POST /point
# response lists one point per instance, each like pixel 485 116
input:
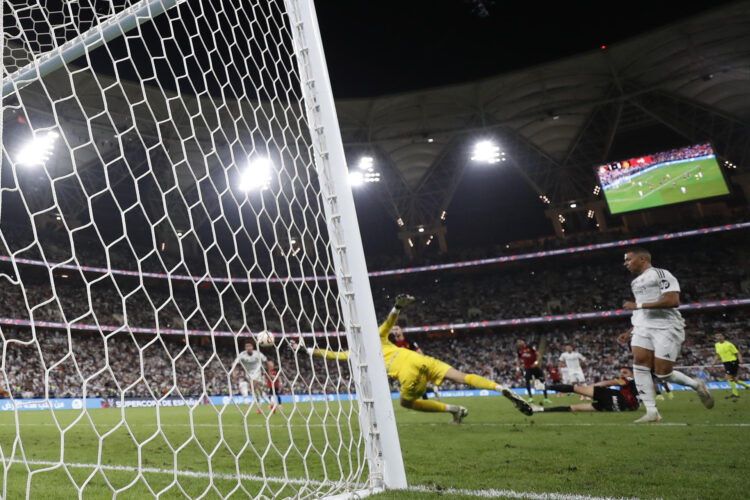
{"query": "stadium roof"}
pixel 557 120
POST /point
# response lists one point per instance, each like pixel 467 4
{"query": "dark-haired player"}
pixel 603 397
pixel 531 361
pixel 658 332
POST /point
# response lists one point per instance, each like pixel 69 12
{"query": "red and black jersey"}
pixel 412 346
pixel 272 378
pixel 629 392
pixel 554 373
pixel 527 356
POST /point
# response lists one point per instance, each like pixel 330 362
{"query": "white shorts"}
pixel 564 374
pixel 576 376
pixel 244 389
pixel 665 343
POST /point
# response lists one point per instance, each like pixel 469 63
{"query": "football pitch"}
pixel 497 453
pixel 668 184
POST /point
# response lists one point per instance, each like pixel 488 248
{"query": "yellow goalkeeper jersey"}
pixel 394 356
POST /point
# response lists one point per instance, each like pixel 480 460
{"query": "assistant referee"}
pixel 732 359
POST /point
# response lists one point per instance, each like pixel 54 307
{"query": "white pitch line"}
pixel 489 493
pixel 419 424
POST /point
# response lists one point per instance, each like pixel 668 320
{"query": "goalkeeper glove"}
pixel 403 300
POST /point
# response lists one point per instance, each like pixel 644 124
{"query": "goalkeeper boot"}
pixel 518 402
pixel 659 397
pixel 670 395
pixel 460 414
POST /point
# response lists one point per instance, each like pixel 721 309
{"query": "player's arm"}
pixel 607 383
pixel 623 338
pixel 669 300
pixel 321 353
pixel 402 301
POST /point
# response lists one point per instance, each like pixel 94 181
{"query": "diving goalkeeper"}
pixel 414 370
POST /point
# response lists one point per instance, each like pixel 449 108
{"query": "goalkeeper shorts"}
pixel 416 371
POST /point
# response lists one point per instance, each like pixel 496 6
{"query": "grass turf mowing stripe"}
pixel 490 493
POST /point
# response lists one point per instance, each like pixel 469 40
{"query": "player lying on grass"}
pixel 604 398
pixel 414 370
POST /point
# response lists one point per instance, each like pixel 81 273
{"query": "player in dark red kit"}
pixel 603 397
pixel 532 367
pixel 554 375
pixel 275 385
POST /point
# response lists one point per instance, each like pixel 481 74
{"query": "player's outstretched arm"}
pixel 402 301
pixel 321 353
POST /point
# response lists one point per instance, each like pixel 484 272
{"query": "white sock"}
pixel 451 408
pixel 645 385
pixel 679 378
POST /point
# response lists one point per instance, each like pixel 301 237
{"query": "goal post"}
pixel 173 184
pixel 383 449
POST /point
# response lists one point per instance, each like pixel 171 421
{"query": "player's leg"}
pixel 666 350
pixel 584 390
pixel 540 376
pixel 527 375
pixel 643 360
pixel 413 378
pixel 482 383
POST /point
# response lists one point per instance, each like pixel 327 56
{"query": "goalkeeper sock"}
pixel 679 378
pixel 482 383
pixel 431 406
pixel 743 384
pixel 556 408
pixel 734 388
pixel 560 387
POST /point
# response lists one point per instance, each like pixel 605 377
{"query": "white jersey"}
pixel 650 286
pixel 252 363
pixel 572 360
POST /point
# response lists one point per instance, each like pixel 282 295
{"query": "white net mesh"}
pixel 157 194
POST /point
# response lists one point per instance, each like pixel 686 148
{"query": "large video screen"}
pixel 685 174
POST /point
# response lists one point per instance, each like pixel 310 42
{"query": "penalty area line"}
pixel 488 493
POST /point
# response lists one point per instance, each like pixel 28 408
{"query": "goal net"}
pixel 172 191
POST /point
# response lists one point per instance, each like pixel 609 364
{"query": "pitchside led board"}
pixel 684 174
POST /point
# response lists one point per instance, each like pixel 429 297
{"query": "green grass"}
pixel 695 453
pixel 626 197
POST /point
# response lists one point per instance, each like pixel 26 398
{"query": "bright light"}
pixel 421 229
pixel 573 205
pixel 366 163
pixel 597 190
pixel 257 175
pixel 38 150
pixel 486 152
pixel 400 222
pixel 356 178
pixel 443 214
pixel 590 214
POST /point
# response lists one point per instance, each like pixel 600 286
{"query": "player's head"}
pixel 249 346
pixel 568 348
pixel 626 372
pixel 398 333
pixel 269 364
pixel 719 337
pixel 520 343
pixel 637 260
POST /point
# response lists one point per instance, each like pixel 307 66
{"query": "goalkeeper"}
pixel 414 370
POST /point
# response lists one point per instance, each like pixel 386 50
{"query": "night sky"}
pixel 383 47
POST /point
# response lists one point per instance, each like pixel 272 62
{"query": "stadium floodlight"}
pixel 420 229
pixel 597 190
pixel 486 152
pixel 573 205
pixel 256 176
pixel 366 163
pixel 356 178
pixel 38 150
pixel 443 214
pixel 590 214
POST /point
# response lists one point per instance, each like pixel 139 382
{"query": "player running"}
pixel 732 359
pixel 603 397
pixel 414 370
pixel 658 332
pixel 252 361
pixel 532 362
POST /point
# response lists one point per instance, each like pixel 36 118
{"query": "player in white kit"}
pixel 571 361
pixel 252 362
pixel 658 332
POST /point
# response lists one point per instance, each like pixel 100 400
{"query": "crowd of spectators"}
pixel 57 364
